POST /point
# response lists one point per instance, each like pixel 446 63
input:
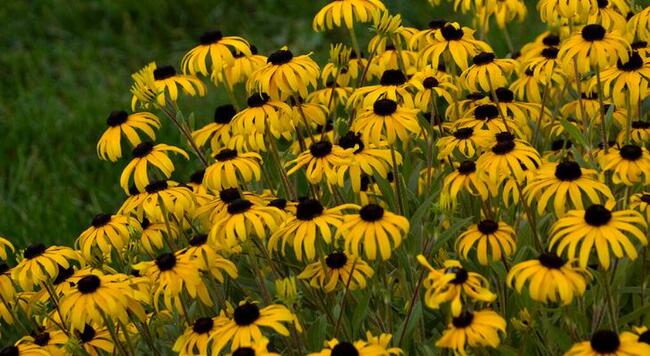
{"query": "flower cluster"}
pixel 322 194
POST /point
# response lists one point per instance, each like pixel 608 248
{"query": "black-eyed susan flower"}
pixel 455 41
pixel 339 270
pixel 107 232
pixel 387 121
pixel 198 339
pixel 473 329
pixel 639 131
pixel 528 86
pixel 51 340
pixel 217 133
pixel 466 140
pixel 96 340
pixel 41 263
pixel 609 16
pixel 173 273
pixel 209 260
pixel 346 12
pixel 20 349
pixel 367 159
pixel 464 178
pixel 642 333
pixel 641 203
pixel 335 347
pixel 380 232
pixel 346 68
pixel 630 164
pixel 607 342
pixel 567 185
pixel 248 321
pixel 498 237
pixel 426 36
pixel 232 169
pixel 97 298
pixel 592 47
pixel 627 82
pixel 322 159
pixel 262 114
pixel 153 83
pixel 509 156
pixel 241 219
pixel 339 95
pixel 109 146
pixel 240 69
pixel 208 212
pixel 155 233
pixel 306 114
pixel 554 12
pixel 435 83
pixel 384 340
pixel 504 12
pixel 213 49
pixel 7 293
pixel 393 85
pixel 166 197
pixel 487 72
pixel 552 279
pixel 144 154
pixel 132 205
pixel 452 282
pixel 390 58
pixel 302 230
pixel 258 348
pixel 601 228
pixel 285 75
pixel 200 190
pixel 487 117
pixel 5 245
pixel 639 24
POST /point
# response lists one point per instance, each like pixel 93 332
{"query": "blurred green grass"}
pixel 66 65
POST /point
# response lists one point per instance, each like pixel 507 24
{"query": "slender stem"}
pixel 496 100
pixel 283 173
pixel 541 112
pixel 628 118
pixel 50 291
pixel 114 336
pixel 398 188
pixel 355 41
pixel 506 35
pixel 531 217
pixel 644 271
pixel 229 92
pixel 610 301
pixel 184 132
pixel 602 109
pixel 345 294
pixel 127 337
pixel 144 329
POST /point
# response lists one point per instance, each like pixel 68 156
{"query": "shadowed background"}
pixel 66 65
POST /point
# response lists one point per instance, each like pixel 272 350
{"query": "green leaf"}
pixel 574 132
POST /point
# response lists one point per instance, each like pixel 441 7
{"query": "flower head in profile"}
pixel 464 178
pixel 120 123
pixel 107 233
pixel 285 75
pixel 214 49
pixel 455 41
pixel 144 155
pixel 498 237
pixel 198 339
pixel 217 133
pixel 592 48
pixel 232 168
pixel 41 263
pixel 346 13
pixel 607 342
pixel 473 329
pixel 153 84
pixel 323 160
pixel 630 164
pixel 487 72
pixel 388 121
pixel 340 271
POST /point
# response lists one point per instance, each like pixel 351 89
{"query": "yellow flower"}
pixel 232 169
pixel 630 164
pixel 215 47
pixel 41 263
pixel 109 146
pixel 455 41
pixel 322 159
pixel 607 342
pixel 143 154
pixel 473 329
pixel 153 83
pixel 335 347
pixel 107 232
pixel 592 48
pixel 4 246
pixel 285 75
pixel 217 132
pixel 386 120
pixel 487 73
pixel 338 269
pixel 499 236
pixel 346 12
pixel 199 338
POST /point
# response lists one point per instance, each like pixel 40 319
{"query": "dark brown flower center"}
pixel 392 77
pixel 197 177
pixel 278 203
pixel 467 167
pixel 100 220
pixel 464 133
pixel 475 96
pixel 257 100
pixel 198 240
pixel 280 57
pixel 344 348
pixel 483 58
pixel 309 209
pixel 551 40
pixel 226 154
pixel 568 171
pixel 87 335
pixel 156 186
pixel 605 342
pixel 560 143
pixel 117 118
pixel 486 112
pixel 602 4
pixel 210 37
pixel 239 206
pixel 451 33
pixel 320 149
pixel 631 152
pixel 246 314
pixel 371 212
pixel 461 274
pixel 166 261
pixel 463 320
pixel 229 195
pixel 488 227
pixel 551 260
pixel 430 82
pixel 597 215
pixel 640 125
pixel 244 351
pixel 634 62
pixel 223 114
pixel 42 339
pixel 142 149
pixel 336 260
pixel 164 72
pixel 550 52
pixel 63 275
pixel 33 251
pixel 645 198
pixel 504 95
pixel 645 337
pixel 639 45
pixel 503 147
pixel 3 267
pixel 203 325
pixel 351 140
pixel 593 32
pixel 88 284
pixel 384 107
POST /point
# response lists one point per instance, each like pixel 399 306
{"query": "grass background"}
pixel 66 65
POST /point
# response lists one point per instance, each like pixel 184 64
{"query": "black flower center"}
pixel 225 155
pixel 64 274
pixel 34 251
pixel 88 284
pixel 278 203
pixel 87 335
pixel 117 118
pixel 257 100
pixel 371 212
pixel 463 320
pixel 246 314
pixel 9 351
pixel 551 40
pixel 483 58
pixel 461 274
pixel 142 149
pixel 344 348
pixel 464 133
pixel 197 177
pixel 203 325
pixel 640 125
pixel 451 33
pixel 365 182
pixel 486 112
pixel 437 24
pixel 645 337
pixel 503 145
pixel 244 351
pixel 384 107
pixel 505 95
pixel 224 113
pixel 350 140
pixel 210 37
pixel 645 198
pixel 487 227
pixel 198 240
pixel 42 339
pixel 282 56
pixel 3 267
pixel 430 82
pixel 560 143
pixel 336 260
pixel 392 77
pixel 568 171
pixel 164 72
pixel 100 220
pixel 602 4
pixel 605 341
pixel 166 261
pixel 550 52
pixel 593 32
pixel 309 209
pixel 475 96
pixel 631 152
pixel 229 195
pixel 639 45
pixel 239 206
pixel 635 62
pixel 320 149
pixel 597 215
pixel 156 186
pixel 467 167
pixel 551 260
